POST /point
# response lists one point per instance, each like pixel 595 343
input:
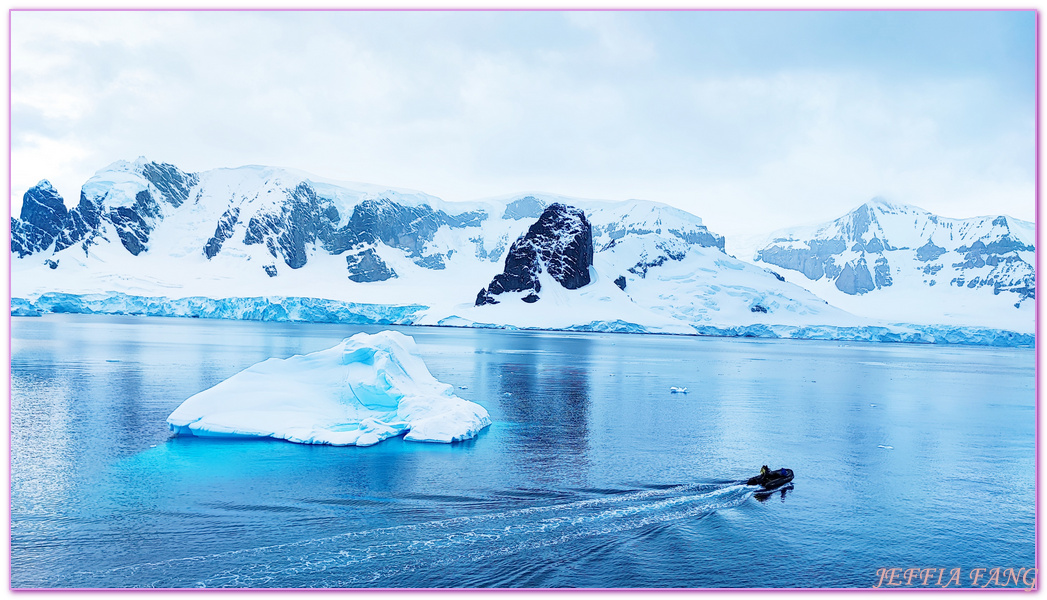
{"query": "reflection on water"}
pixel 552 398
pixel 593 473
pixel 779 493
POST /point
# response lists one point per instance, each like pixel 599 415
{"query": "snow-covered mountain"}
pixel 881 259
pixel 264 242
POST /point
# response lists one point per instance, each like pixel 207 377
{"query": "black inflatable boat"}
pixel 771 480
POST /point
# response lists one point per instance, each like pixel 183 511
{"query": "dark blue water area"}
pixel 593 474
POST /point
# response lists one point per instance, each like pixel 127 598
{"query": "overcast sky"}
pixel 750 120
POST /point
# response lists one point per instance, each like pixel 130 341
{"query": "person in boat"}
pixel 760 479
pixel 765 476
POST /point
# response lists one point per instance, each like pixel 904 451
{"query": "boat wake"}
pixel 380 557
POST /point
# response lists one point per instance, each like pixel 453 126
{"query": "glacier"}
pixel 319 310
pixel 368 388
pixel 21 307
pixel 261 308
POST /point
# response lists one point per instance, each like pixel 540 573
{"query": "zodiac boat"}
pixel 771 479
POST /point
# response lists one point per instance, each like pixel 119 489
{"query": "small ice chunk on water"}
pixel 360 392
pixel 677 390
pixel 886 447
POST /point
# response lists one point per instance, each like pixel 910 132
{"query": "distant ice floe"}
pixel 360 392
pixel 677 390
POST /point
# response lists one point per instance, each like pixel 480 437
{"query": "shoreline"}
pixel 297 309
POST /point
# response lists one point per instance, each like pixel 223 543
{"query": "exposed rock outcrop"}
pixel 560 243
pixel 44 220
pixel 365 266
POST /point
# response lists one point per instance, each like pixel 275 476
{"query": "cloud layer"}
pixel 751 120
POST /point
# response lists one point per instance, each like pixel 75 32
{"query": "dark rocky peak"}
pixel 1002 239
pixel 43 207
pixel 399 226
pixel 563 240
pixel 162 183
pixel 42 202
pixel 90 211
pixel 854 225
pixel 41 220
pixel 406 227
pixel 403 226
pixel 861 231
pixel 869 217
pixel 222 232
pixel 44 220
pixel 300 217
pixel 286 228
pixel 560 243
pixel 173 183
pixel 134 223
pixel 858 222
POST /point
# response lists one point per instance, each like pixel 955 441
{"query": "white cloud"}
pixel 618 41
pixel 465 105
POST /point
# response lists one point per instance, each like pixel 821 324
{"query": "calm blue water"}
pixel 593 474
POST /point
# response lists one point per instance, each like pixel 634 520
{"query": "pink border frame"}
pixel 1037 319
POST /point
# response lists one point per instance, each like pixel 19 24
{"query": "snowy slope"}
pixel 705 286
pixel 261 240
pixel 903 263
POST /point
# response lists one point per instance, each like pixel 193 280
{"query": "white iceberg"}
pixel 360 392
